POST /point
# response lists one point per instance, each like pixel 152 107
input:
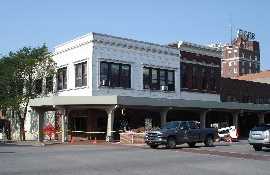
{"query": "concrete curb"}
pixel 29 143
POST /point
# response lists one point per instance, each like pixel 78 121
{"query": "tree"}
pixel 21 78
pixel 8 84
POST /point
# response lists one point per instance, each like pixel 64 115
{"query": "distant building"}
pixel 242 56
pixel 262 77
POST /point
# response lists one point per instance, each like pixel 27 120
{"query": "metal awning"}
pixel 144 101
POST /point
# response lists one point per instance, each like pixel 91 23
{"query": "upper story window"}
pixel 62 78
pixel 184 76
pixel 81 74
pixel 158 79
pixel 154 79
pixel 236 53
pixel 195 77
pixel 235 70
pixel 170 80
pixel 115 74
pixel 204 78
pixel 212 80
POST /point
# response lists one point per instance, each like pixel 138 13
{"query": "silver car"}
pixel 259 137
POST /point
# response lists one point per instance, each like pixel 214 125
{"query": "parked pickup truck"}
pixel 259 137
pixel 180 132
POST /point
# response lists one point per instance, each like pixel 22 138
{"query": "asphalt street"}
pixel 122 160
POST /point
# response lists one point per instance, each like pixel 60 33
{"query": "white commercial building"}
pixel 100 77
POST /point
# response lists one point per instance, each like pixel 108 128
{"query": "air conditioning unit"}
pixel 164 88
pixel 103 83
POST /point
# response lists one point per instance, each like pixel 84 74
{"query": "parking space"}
pixel 239 149
pixel 224 158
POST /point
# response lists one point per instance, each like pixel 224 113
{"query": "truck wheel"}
pixel 209 141
pixel 191 144
pixel 171 143
pixel 153 146
pixel 257 147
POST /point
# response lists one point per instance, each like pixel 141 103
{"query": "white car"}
pixel 259 137
pixel 1 135
pixel 228 132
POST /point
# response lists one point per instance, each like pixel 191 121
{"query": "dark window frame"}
pixel 61 75
pixel 122 79
pixel 81 74
pixel 184 77
pixel 194 77
pixel 154 84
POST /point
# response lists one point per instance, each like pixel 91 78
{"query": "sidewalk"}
pixel 28 143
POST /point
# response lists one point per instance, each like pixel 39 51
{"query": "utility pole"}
pixel 231 29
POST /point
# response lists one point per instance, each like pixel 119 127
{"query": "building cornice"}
pixel 108 40
pixel 113 41
pixel 71 48
pixel 199 63
pixel 199 49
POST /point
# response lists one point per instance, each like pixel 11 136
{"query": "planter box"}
pixel 132 138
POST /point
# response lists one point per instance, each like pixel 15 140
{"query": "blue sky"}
pixel 33 22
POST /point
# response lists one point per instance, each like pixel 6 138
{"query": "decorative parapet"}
pixel 72 44
pixel 134 44
pixel 108 40
pixel 199 49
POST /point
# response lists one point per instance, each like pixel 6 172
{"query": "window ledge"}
pixel 199 91
pixel 150 90
pixel 80 87
pixel 76 88
pixel 62 90
pixel 110 87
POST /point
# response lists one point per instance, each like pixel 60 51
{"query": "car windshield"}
pixel 170 125
pixel 261 128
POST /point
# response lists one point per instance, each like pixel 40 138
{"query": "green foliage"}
pixel 19 73
pixel 9 83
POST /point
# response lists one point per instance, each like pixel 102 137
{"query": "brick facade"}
pixel 200 68
pixel 200 73
pixel 240 58
pixel 241 91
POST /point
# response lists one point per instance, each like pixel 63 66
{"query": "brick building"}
pixel 241 57
pixel 262 77
pixel 242 91
pixel 200 68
